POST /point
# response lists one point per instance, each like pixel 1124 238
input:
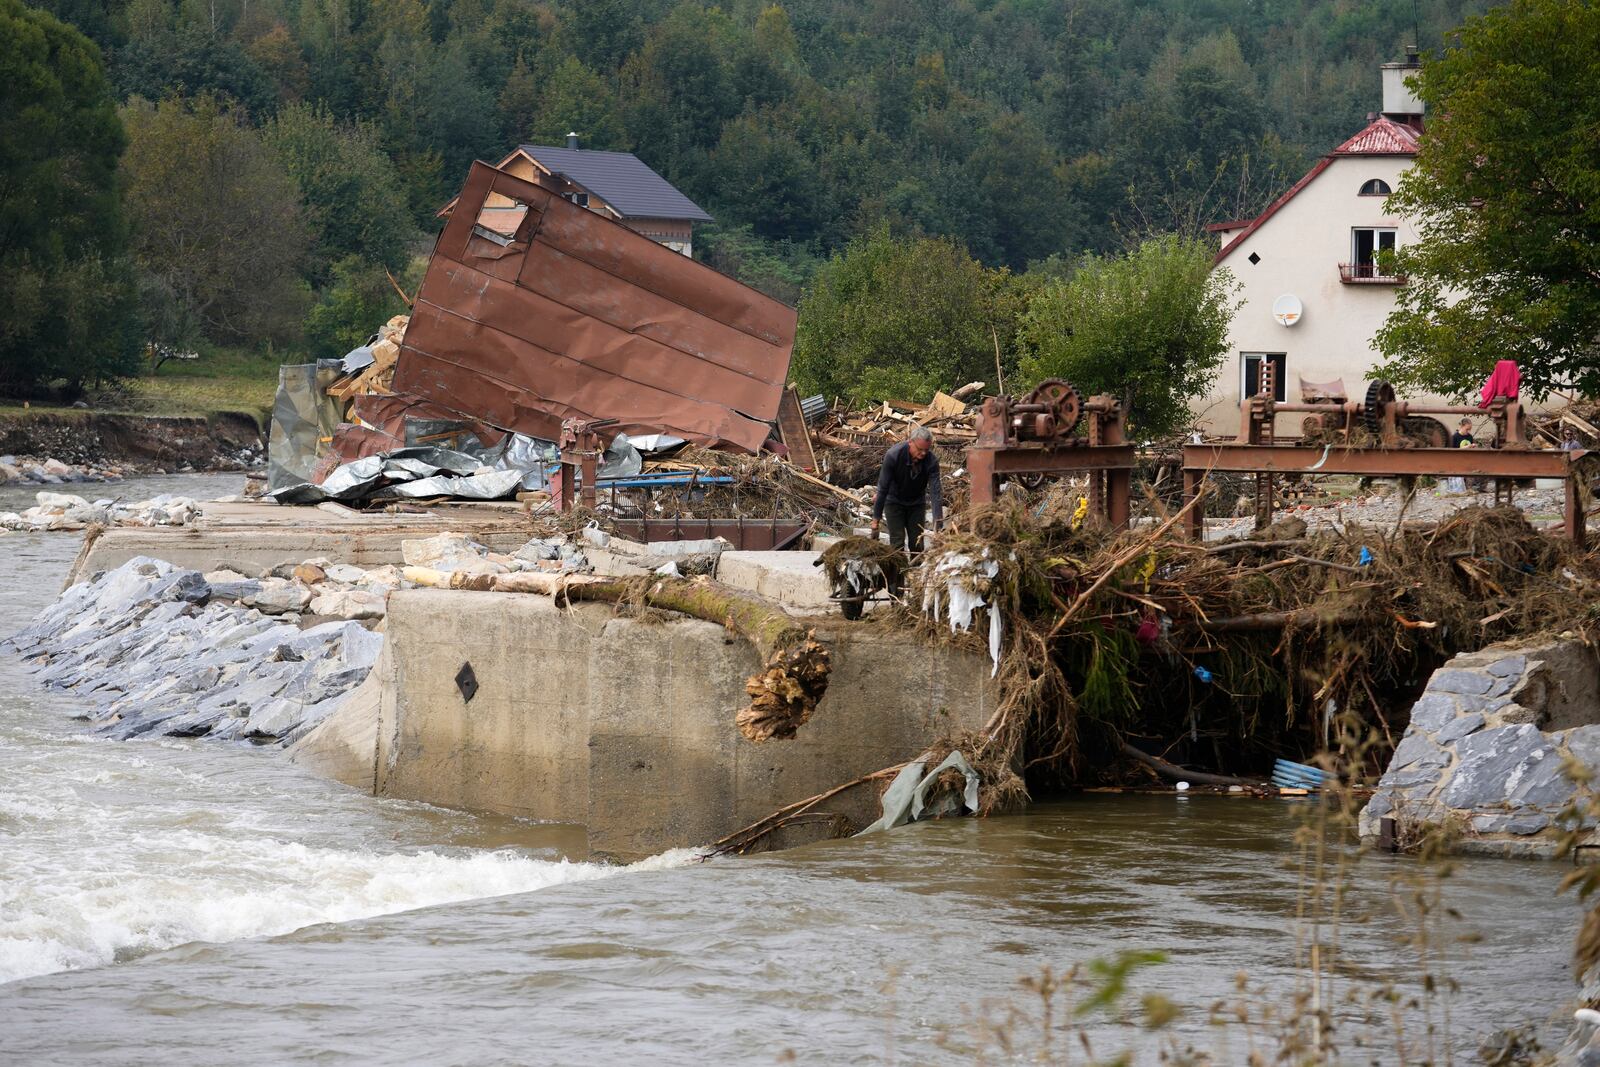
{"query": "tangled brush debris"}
pixel 863 565
pixel 1248 647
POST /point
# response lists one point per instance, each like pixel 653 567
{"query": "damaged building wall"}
pixel 576 316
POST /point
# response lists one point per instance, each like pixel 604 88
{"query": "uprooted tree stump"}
pixel 795 666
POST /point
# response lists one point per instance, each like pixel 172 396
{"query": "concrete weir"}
pixel 626 725
pixel 250 536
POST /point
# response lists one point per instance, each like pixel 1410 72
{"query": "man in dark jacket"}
pixel 909 477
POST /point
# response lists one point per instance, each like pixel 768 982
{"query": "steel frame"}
pixel 1104 455
pixel 1266 460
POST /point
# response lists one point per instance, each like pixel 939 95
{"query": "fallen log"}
pixel 795 666
pixel 1179 774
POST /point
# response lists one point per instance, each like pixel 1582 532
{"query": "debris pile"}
pixel 369 368
pixel 1252 648
pixel 948 417
pixel 63 511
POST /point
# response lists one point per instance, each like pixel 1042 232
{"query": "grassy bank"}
pixel 221 380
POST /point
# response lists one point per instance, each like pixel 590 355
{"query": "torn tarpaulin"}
pixel 579 317
pixel 303 418
pixel 425 471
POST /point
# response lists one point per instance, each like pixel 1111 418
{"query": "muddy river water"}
pixel 175 902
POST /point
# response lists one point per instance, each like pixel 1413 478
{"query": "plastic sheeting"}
pixel 906 798
pixel 490 485
pixel 953 593
pixel 303 417
pixel 357 358
pixel 411 472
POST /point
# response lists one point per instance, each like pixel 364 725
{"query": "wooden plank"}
pixel 794 432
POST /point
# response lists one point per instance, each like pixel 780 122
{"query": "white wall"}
pixel 1301 247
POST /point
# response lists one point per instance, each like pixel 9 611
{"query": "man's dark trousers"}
pixel 905 524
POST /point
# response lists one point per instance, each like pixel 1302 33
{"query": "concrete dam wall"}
pixel 626 725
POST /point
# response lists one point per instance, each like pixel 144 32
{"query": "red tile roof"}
pixel 1382 137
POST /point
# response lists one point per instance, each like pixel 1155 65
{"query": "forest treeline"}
pixel 329 132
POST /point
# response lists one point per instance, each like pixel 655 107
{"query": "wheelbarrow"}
pixel 860 582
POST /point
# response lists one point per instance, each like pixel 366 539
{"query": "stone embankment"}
pixel 1483 757
pixel 50 449
pixel 154 649
pixel 263 655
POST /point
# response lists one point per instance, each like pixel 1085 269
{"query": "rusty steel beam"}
pixel 1503 464
pixel 1055 461
pixel 1377 463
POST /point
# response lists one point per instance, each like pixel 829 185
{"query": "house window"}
pixel 1250 374
pixel 581 199
pixel 1366 242
pixel 1375 187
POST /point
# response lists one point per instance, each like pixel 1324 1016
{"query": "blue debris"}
pixel 1202 674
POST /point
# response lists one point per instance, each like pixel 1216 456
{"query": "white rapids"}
pixel 110 850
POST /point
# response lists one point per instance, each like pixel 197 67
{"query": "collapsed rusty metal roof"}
pixel 576 316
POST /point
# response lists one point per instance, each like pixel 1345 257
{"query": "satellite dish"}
pixel 1287 309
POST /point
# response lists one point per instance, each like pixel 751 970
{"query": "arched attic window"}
pixel 1375 187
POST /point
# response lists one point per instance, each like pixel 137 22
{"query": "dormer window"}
pixel 1375 187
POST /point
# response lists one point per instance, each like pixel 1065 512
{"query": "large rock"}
pixel 348 604
pixel 1506 765
pixel 444 552
pixel 279 596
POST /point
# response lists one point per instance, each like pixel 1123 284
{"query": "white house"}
pixel 1314 294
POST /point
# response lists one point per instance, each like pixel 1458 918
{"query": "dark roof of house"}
pixel 621 179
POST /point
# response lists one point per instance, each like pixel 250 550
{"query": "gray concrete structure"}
pixel 791 578
pixel 253 537
pixel 626 726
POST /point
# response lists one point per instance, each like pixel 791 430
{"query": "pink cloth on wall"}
pixel 1504 381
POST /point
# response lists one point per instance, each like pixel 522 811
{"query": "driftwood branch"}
pixel 795 667
pixel 1240 546
pixel 1270 620
pixel 1177 773
pixel 1144 545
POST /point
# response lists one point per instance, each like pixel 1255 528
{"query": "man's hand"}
pixel 874 529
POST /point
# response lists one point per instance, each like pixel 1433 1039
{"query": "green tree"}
pixel 65 285
pixel 901 317
pixel 1505 194
pixel 766 178
pixel 351 196
pixel 777 268
pixel 218 231
pixel 1151 326
pixel 573 98
pixel 355 303
pixel 1014 180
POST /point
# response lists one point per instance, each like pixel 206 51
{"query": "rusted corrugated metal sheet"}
pixel 579 317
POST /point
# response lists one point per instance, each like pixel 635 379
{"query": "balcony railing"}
pixel 1368 274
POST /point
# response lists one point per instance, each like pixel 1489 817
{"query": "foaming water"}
pixel 110 850
pixel 115 849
